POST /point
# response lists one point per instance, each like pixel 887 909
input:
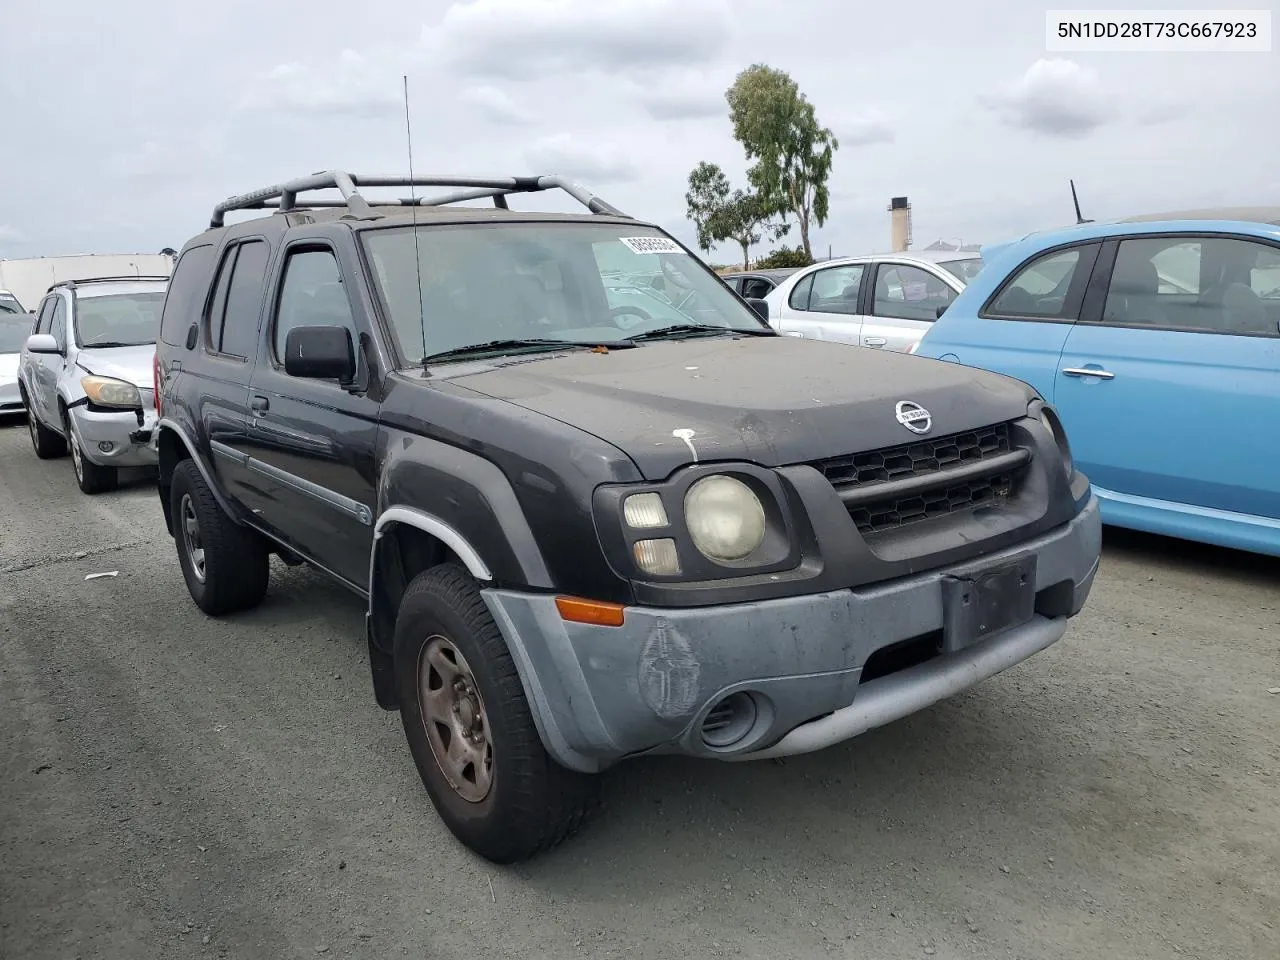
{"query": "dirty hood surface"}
pixel 772 401
pixel 132 364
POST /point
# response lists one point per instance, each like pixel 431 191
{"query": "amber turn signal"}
pixel 590 611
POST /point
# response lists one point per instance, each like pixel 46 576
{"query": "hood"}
pixel 124 363
pixel 773 401
pixel 9 366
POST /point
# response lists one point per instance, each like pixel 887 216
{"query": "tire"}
pixel 90 477
pixel 47 444
pixel 531 803
pixel 226 566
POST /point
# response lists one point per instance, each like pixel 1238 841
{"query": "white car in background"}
pixel 15 327
pixel 885 301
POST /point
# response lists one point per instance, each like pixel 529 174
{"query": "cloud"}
pixel 864 130
pixel 530 39
pixel 10 234
pixel 1057 98
pixel 676 93
pixel 352 85
pixel 495 105
pixel 591 161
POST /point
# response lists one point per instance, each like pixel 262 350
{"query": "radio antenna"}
pixel 1076 201
pixel 413 212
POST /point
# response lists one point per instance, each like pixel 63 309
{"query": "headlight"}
pixel 109 392
pixel 1049 417
pixel 725 518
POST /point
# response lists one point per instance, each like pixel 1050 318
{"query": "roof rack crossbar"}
pixel 284 196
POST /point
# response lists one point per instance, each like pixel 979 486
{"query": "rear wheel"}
pixel 90 477
pixel 226 565
pixel 470 729
pixel 44 441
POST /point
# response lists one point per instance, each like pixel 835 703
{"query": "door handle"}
pixel 874 341
pixel 1086 372
pixel 259 404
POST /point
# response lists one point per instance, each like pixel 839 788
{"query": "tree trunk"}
pixel 746 263
pixel 804 236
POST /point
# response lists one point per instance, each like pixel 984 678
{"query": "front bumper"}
pixel 600 694
pixel 115 439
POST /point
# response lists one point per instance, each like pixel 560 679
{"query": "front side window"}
pixel 14 330
pixel 1200 285
pixel 581 283
pixel 58 325
pixel 311 295
pixel 909 293
pixel 1039 290
pixel 118 319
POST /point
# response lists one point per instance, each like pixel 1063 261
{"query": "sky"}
pixel 123 123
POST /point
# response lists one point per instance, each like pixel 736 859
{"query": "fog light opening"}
pixel 730 720
pixel 105 446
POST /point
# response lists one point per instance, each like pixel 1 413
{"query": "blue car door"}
pixel 1168 386
pixel 1021 330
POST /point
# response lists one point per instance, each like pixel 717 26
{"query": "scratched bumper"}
pixel 600 694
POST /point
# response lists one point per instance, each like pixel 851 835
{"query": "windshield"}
pixel 10 304
pixel 14 330
pixel 964 270
pixel 578 282
pixel 118 319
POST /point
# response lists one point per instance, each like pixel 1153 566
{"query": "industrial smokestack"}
pixel 899 224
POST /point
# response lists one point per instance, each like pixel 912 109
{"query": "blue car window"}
pixel 1202 285
pixel 1040 288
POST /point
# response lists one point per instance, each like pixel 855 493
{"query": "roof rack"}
pixel 283 197
pixel 127 278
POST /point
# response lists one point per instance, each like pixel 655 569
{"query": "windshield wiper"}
pixel 500 346
pixel 679 329
pixel 109 344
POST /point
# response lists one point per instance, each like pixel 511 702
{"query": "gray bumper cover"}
pixel 599 694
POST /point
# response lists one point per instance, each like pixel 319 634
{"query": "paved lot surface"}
pixel 174 786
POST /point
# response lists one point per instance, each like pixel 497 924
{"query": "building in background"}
pixel 899 224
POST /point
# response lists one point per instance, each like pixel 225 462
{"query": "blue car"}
pixel 1158 340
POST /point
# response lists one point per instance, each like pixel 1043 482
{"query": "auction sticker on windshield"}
pixel 652 245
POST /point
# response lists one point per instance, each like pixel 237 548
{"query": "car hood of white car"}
pixel 9 367
pixel 132 364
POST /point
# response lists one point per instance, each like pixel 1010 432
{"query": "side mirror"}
pixel 42 343
pixel 761 307
pixel 323 353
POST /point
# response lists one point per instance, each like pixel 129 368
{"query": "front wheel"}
pixel 470 729
pixel 226 566
pixel 90 477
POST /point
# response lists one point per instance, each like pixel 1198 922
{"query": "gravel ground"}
pixel 175 786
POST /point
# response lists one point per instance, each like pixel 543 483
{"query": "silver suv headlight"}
pixel 726 519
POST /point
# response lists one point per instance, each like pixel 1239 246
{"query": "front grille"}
pixel 904 470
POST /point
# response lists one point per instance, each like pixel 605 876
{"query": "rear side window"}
pixel 236 306
pixel 799 299
pixel 1040 290
pixel 244 301
pixel 186 294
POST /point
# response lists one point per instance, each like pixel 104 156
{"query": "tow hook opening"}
pixel 730 720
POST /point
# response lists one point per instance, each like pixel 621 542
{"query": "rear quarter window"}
pixel 186 295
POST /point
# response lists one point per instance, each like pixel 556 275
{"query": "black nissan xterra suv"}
pixel 597 507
